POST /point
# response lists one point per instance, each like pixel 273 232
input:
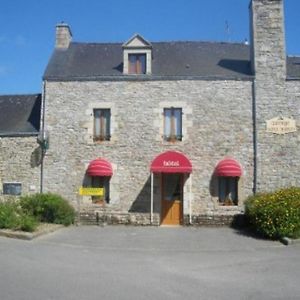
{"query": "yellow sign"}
pixel 90 191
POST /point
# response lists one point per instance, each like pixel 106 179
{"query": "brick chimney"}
pixel 63 36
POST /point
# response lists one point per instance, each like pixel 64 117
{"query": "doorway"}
pixel 172 199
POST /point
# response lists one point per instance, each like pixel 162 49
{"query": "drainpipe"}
pixel 190 196
pixel 254 136
pixel 43 134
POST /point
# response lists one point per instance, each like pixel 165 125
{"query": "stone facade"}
pixel 215 127
pixel 278 156
pixel 20 163
pixel 221 118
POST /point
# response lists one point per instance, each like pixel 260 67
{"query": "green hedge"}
pixel 13 217
pixel 275 215
pixel 50 208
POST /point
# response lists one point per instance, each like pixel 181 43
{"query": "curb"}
pixel 29 235
pixel 288 241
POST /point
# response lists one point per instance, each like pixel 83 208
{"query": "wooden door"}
pixel 172 199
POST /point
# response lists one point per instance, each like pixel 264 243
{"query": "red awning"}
pixel 228 167
pixel 171 162
pixel 99 167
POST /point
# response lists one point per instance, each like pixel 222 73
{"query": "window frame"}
pixel 7 188
pixel 228 186
pixel 104 129
pixel 137 68
pixel 174 135
pixel 101 182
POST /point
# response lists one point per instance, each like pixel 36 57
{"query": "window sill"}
pixel 228 205
pixel 99 140
pixel 175 138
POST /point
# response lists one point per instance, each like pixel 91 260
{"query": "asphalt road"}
pixel 148 263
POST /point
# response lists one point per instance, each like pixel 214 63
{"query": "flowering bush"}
pixel 277 214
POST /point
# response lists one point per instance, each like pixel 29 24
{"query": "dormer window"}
pixel 137 63
pixel 137 56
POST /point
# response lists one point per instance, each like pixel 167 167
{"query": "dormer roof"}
pixel 137 41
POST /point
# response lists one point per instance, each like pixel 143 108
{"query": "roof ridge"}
pixel 166 42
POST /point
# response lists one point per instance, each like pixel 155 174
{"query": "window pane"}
pixel 222 189
pixel 228 190
pixel 137 63
pixel 106 115
pixel 172 187
pixel 132 63
pixel 102 124
pixel 12 188
pixel 142 61
pixel 178 122
pixel 233 188
pixel 167 122
pixel 101 182
pixel 97 116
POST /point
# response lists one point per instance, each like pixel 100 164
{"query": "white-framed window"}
pixel 172 124
pixel 137 56
pixel 102 118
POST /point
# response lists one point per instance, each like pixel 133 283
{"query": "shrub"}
pixel 275 215
pixel 8 215
pixel 12 217
pixel 28 223
pixel 49 208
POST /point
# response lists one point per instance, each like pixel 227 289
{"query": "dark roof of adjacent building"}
pixel 170 60
pixel 293 67
pixel 20 115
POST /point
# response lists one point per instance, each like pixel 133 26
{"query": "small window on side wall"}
pixel 102 124
pixel 173 124
pixel 12 188
pixel 228 190
pixel 137 63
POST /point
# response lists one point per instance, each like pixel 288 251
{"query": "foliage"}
pixel 49 208
pixel 8 215
pixel 277 214
pixel 28 223
pixel 12 217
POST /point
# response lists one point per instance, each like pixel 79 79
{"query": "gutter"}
pixel 147 78
pixel 43 133
pixel 254 119
pixel 19 134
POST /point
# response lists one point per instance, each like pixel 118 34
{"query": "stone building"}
pixel 174 132
pixel 20 154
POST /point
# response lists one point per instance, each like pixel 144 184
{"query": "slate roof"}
pixel 293 67
pixel 20 115
pixel 171 60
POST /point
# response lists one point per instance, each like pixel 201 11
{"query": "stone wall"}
pixel 218 123
pixel 19 162
pixel 278 155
